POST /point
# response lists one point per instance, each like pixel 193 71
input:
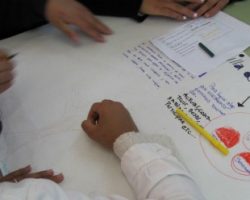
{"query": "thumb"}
pixel 88 127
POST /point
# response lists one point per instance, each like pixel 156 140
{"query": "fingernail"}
pixel 184 17
pixel 195 15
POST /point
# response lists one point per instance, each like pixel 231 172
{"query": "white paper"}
pixel 156 67
pixel 213 102
pixel 224 35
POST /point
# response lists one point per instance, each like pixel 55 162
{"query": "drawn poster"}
pixel 220 102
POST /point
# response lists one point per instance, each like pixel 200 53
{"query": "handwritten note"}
pixel 156 67
pixel 225 36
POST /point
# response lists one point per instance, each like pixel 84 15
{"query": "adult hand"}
pixel 211 7
pixel 6 72
pixel 106 121
pixel 25 172
pixel 169 8
pixel 62 13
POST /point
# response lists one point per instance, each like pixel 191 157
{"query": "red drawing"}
pixel 246 156
pixel 229 136
pixel 241 163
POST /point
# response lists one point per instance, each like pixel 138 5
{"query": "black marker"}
pixel 204 48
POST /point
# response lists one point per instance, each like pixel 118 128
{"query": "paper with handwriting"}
pixel 220 102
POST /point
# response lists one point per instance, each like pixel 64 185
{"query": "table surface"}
pixel 56 83
pixel 240 10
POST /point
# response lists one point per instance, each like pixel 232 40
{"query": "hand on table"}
pixel 209 8
pixel 6 72
pixel 25 172
pixel 169 8
pixel 62 13
pixel 106 121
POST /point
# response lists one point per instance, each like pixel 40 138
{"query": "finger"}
pixel 193 6
pixel 6 77
pixel 102 28
pixel 174 15
pixel 90 25
pixel 6 65
pixel 206 7
pixel 184 11
pixel 166 12
pixel 56 178
pixel 190 1
pixel 16 174
pixel 3 55
pixel 94 110
pixel 47 174
pixel 65 29
pixel 5 86
pixel 89 28
pixel 41 174
pixel 89 127
pixel 219 6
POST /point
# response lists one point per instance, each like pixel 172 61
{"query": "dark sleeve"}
pixel 20 15
pixel 119 8
pixel 231 1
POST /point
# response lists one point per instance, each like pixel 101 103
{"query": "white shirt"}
pixel 151 169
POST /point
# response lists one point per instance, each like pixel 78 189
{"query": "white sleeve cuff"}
pixel 127 140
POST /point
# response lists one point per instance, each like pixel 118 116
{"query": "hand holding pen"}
pixel 6 71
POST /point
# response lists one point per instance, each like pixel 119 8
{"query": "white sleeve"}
pixel 153 171
pixel 43 189
pixel 151 166
pixel 32 189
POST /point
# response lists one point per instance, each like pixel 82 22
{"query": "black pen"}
pixel 206 50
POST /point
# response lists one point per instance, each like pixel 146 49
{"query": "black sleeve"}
pixel 120 8
pixel 20 15
pixel 232 1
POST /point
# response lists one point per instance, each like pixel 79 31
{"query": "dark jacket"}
pixel 17 16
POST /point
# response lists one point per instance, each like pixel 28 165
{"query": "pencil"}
pixel 206 50
pixel 202 131
pixel 11 56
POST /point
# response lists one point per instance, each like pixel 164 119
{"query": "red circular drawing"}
pixel 232 130
pixel 241 163
pixel 229 136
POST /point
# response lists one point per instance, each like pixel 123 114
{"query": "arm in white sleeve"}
pixel 151 166
pixel 149 162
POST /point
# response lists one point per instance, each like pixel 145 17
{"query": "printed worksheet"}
pixel 219 102
pixel 203 44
